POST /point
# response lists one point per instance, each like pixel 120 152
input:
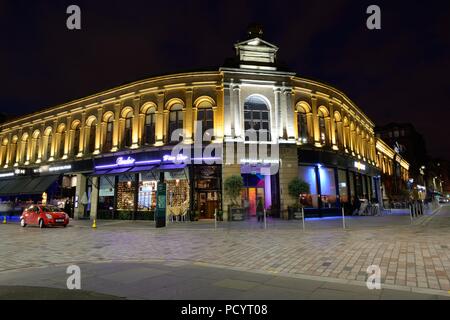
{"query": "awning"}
pixel 26 185
pixel 142 168
pixel 118 170
pixel 168 167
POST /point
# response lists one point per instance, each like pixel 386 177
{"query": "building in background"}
pixel 426 173
pixel 106 153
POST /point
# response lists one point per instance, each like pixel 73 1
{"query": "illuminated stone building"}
pixel 108 151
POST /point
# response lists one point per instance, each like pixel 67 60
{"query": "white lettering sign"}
pixel 125 162
pixel 179 157
pixel 360 166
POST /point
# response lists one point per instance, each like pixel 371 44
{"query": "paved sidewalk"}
pixel 411 256
pixel 185 280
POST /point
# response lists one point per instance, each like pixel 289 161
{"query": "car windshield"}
pixel 50 209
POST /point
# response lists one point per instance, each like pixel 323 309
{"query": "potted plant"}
pixel 296 188
pixel 232 188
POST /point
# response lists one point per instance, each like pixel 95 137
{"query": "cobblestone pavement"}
pixel 409 255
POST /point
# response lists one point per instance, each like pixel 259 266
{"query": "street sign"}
pixel 160 214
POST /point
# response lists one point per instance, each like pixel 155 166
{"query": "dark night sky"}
pixel 400 73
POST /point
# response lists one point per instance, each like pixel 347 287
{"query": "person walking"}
pixel 260 210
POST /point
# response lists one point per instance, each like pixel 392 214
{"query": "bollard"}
pixel 343 218
pixel 411 212
pixel 265 223
pixel 215 219
pixel 4 219
pixel 303 218
pixel 94 225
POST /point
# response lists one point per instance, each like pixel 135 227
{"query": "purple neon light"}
pixel 114 165
pixel 148 162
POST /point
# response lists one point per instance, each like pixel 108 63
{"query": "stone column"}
pixel 290 115
pixel 54 141
pixel 67 138
pixel 188 120
pixel 94 198
pixel 218 113
pixel 238 127
pixel 316 130
pixel 228 110
pixel 98 130
pixel 82 135
pixel 135 123
pixel 116 139
pixel 159 126
pixel 79 192
pixel 279 123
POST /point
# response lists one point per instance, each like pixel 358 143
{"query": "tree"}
pixel 232 188
pixel 297 187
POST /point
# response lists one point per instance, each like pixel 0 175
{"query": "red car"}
pixel 44 215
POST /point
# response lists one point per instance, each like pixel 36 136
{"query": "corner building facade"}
pixel 106 153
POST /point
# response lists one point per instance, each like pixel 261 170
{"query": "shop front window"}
pixel 308 174
pixel 327 187
pixel 343 187
pixel 106 197
pixel 126 189
pixel 177 189
pixel 147 192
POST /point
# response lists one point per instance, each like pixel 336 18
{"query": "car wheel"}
pixel 22 223
pixel 41 223
pixel 65 225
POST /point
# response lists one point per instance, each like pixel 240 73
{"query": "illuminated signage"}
pixel 60 168
pixel 4 175
pixel 360 166
pixel 179 157
pixel 121 161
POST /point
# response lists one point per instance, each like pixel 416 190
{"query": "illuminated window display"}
pixel 126 189
pixel 308 174
pixel 343 186
pixel 147 192
pixel 177 188
pixel 328 187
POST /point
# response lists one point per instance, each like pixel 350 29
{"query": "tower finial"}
pixel 255 30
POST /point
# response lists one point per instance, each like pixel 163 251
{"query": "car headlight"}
pixel 49 216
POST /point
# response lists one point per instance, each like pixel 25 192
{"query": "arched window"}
pixel 149 126
pixel 49 145
pixel 128 135
pixel 92 134
pixel 322 127
pixel 13 151
pixel 256 117
pixel 23 155
pixel 36 145
pixel 108 143
pixel 3 151
pixel 62 140
pixel 302 125
pixel 338 129
pixel 206 117
pixel 175 121
pixel 76 139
